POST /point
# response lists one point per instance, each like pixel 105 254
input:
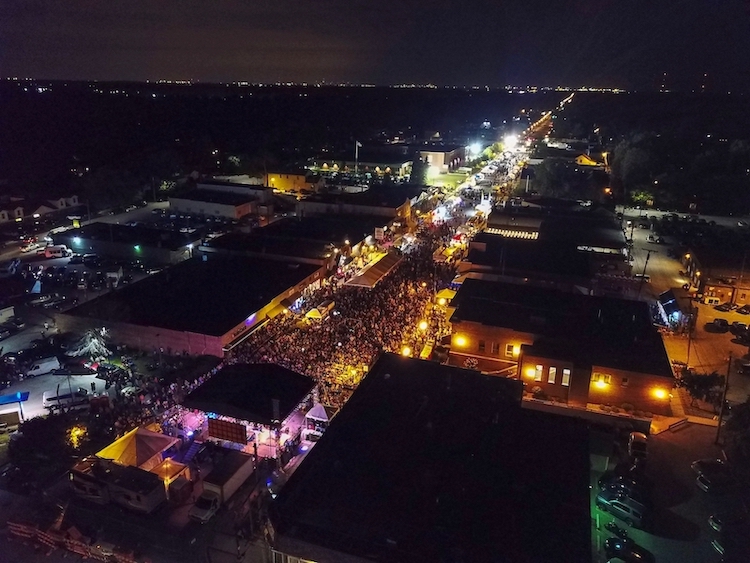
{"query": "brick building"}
pixel 575 348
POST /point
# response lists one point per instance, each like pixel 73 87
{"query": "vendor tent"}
pixel 313 313
pixel 446 294
pixel 138 448
pixel 318 412
pixel 168 470
pixel 371 275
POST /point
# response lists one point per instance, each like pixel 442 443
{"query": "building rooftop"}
pixel 278 246
pixel 237 184
pixel 562 223
pixel 247 392
pixel 126 234
pixel 428 462
pixel 131 478
pixel 382 196
pixel 521 256
pixel 604 331
pixel 329 229
pixel 208 296
pixel 209 196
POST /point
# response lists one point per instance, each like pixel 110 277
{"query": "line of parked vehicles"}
pixel 625 494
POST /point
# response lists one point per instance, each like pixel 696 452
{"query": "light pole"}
pixel 723 399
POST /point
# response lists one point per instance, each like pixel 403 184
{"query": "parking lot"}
pixel 679 532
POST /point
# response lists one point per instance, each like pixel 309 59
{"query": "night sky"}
pixel 624 43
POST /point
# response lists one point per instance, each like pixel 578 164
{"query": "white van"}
pixel 57 251
pixel 62 398
pixel 45 365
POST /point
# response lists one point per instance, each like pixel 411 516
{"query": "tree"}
pixel 701 386
pixel 737 430
pixel 106 187
pixel 92 345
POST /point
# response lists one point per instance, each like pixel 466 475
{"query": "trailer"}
pixel 224 480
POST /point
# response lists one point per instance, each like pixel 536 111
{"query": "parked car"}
pixel 744 310
pixel 729 519
pixel 4 333
pixel 717 325
pixel 626 550
pixel 709 466
pixel 720 483
pixel 737 328
pixel 632 512
pixel 623 485
pixel 723 307
pixel 638 445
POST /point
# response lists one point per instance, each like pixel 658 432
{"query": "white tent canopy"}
pixel 318 412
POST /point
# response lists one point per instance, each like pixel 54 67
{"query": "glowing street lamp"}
pixel 423 326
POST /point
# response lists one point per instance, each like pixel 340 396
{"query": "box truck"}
pixel 218 487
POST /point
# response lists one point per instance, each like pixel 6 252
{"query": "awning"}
pixel 446 293
pixel 313 314
pixel 372 274
pixel 318 412
pixel 138 448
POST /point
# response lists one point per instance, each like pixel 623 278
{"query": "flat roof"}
pixel 529 256
pixel 231 461
pixel 247 392
pixel 325 228
pixel 379 196
pixel 428 462
pixel 598 330
pixel 204 296
pixel 563 223
pixel 279 246
pixel 210 196
pixel 127 234
pixel 217 182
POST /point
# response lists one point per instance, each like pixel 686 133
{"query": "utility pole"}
pixel 723 399
pixel 357 144
pixel 643 274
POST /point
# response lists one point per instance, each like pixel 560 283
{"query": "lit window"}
pixel 601 378
pixel 481 345
pixel 565 378
pixel 509 350
pixel 552 375
pixel 538 372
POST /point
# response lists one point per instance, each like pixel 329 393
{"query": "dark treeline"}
pixel 689 152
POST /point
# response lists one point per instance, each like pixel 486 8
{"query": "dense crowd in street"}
pixel 338 350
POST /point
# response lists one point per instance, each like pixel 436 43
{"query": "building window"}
pixel 742 296
pixel 552 375
pixel 481 345
pixel 538 372
pixel 509 350
pixel 495 347
pixel 565 378
pixel 601 378
pixel 624 381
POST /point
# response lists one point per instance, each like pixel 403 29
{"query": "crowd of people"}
pixel 338 350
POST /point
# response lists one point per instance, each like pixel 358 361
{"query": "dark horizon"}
pixel 573 43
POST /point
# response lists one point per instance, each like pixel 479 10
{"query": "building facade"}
pixel 574 349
